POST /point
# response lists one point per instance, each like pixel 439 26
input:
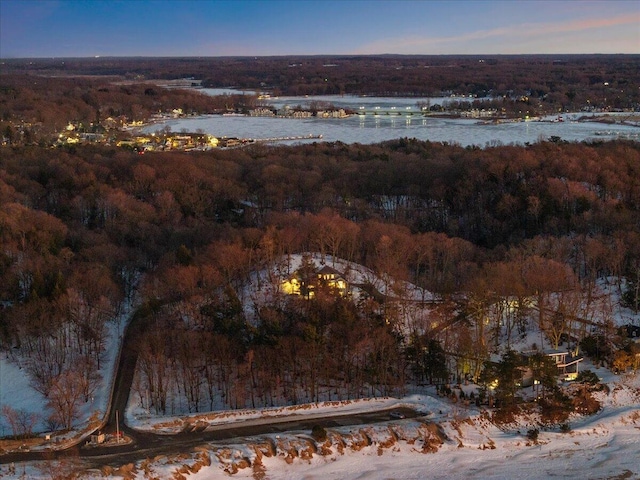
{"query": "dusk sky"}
pixel 81 28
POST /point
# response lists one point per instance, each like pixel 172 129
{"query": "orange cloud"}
pixel 525 30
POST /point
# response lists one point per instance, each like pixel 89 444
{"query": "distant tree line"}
pixel 546 82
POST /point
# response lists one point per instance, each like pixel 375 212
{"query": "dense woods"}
pixel 35 109
pixel 85 229
pixel 497 240
pixel 547 82
pixel 370 75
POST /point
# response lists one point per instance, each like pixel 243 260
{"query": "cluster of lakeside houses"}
pixel 170 141
pixel 479 113
pixel 143 143
pixel 288 112
pixel 122 133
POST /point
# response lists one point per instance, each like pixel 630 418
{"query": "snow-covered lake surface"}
pixel 370 128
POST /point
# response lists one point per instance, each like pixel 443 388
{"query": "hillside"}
pixel 452 436
pixel 452 256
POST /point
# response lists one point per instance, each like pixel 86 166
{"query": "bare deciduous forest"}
pixel 84 228
pixel 558 79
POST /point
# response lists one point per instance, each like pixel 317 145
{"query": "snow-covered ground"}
pixel 17 393
pixel 354 273
pixel 605 445
pixel 452 441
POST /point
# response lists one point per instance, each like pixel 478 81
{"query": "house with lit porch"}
pixel 306 284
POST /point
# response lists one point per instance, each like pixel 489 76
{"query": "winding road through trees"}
pixel 144 444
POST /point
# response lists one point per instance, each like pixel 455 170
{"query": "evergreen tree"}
pixel 505 376
pixel 544 371
pixel 435 362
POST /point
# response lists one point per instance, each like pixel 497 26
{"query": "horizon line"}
pixel 319 55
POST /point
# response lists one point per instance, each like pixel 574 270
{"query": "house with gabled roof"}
pixel 304 283
pixel 631 331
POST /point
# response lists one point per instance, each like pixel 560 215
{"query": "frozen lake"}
pixel 377 128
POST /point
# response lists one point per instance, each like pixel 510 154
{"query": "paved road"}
pixel 145 445
pixel 148 445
